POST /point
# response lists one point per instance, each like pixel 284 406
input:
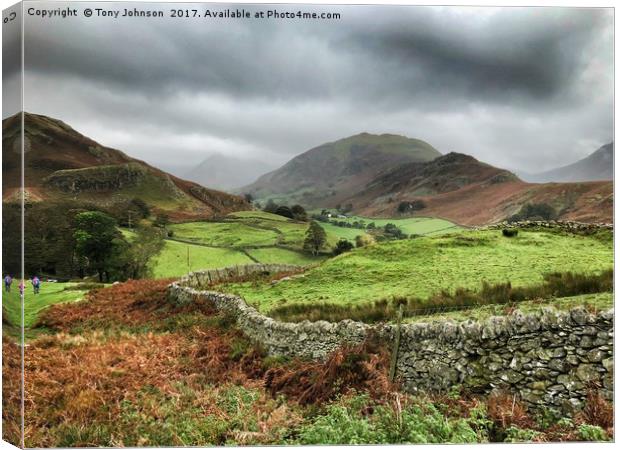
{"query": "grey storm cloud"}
pixel 527 88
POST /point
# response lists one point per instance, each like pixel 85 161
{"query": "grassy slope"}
pixel 423 266
pixel 222 234
pixel 172 261
pixel 268 238
pixel 51 294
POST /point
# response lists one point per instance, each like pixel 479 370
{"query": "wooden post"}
pixel 399 319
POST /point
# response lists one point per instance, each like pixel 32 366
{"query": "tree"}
pixel 271 206
pixel 342 246
pixel 248 197
pixel 147 244
pixel 129 213
pixel 284 211
pixel 162 221
pixel 299 213
pixel 391 231
pixel 96 239
pixel 315 238
pixel 140 207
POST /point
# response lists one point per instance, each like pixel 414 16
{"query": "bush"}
pixel 592 433
pixel 284 211
pixel 299 213
pixel 364 240
pixel 342 246
pixel 351 423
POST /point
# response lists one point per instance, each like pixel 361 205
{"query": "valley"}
pixel 377 230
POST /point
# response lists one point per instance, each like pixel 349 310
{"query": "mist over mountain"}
pixel 228 172
pixel 594 167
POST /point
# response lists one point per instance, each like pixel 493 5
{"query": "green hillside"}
pixel 424 266
pixel 324 175
pixel 255 236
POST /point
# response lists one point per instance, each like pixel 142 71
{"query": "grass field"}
pixel 411 225
pixel 242 238
pixel 50 294
pixel 224 234
pixel 173 260
pixel 424 266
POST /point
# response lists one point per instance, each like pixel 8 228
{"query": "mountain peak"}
pixel 324 175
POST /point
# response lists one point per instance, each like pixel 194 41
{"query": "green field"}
pixel 424 266
pixel 255 229
pixel 173 260
pixel 411 225
pixel 224 234
pixel 241 238
pixel 50 294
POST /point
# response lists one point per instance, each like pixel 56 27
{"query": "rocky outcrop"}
pixel 98 178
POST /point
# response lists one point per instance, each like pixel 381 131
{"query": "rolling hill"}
pixel 61 163
pixel 464 190
pixel 329 173
pixel 595 167
pixel 227 172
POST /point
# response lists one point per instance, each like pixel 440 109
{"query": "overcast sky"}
pixel 522 88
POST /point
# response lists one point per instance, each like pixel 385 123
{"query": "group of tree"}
pixel 392 232
pixel 107 253
pixel 535 211
pixel 69 240
pixel 295 212
pixel 316 240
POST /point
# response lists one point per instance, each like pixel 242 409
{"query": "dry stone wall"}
pixel 569 226
pixel 548 358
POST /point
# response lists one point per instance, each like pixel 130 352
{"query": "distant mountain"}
pixel 462 189
pixel 227 172
pixel 61 163
pixel 327 174
pixel 595 167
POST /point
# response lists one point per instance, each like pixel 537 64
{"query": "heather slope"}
pixel 60 163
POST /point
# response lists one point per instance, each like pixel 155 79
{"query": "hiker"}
pixel 7 283
pixel 36 284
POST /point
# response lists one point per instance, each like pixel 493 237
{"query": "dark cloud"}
pixel 520 87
